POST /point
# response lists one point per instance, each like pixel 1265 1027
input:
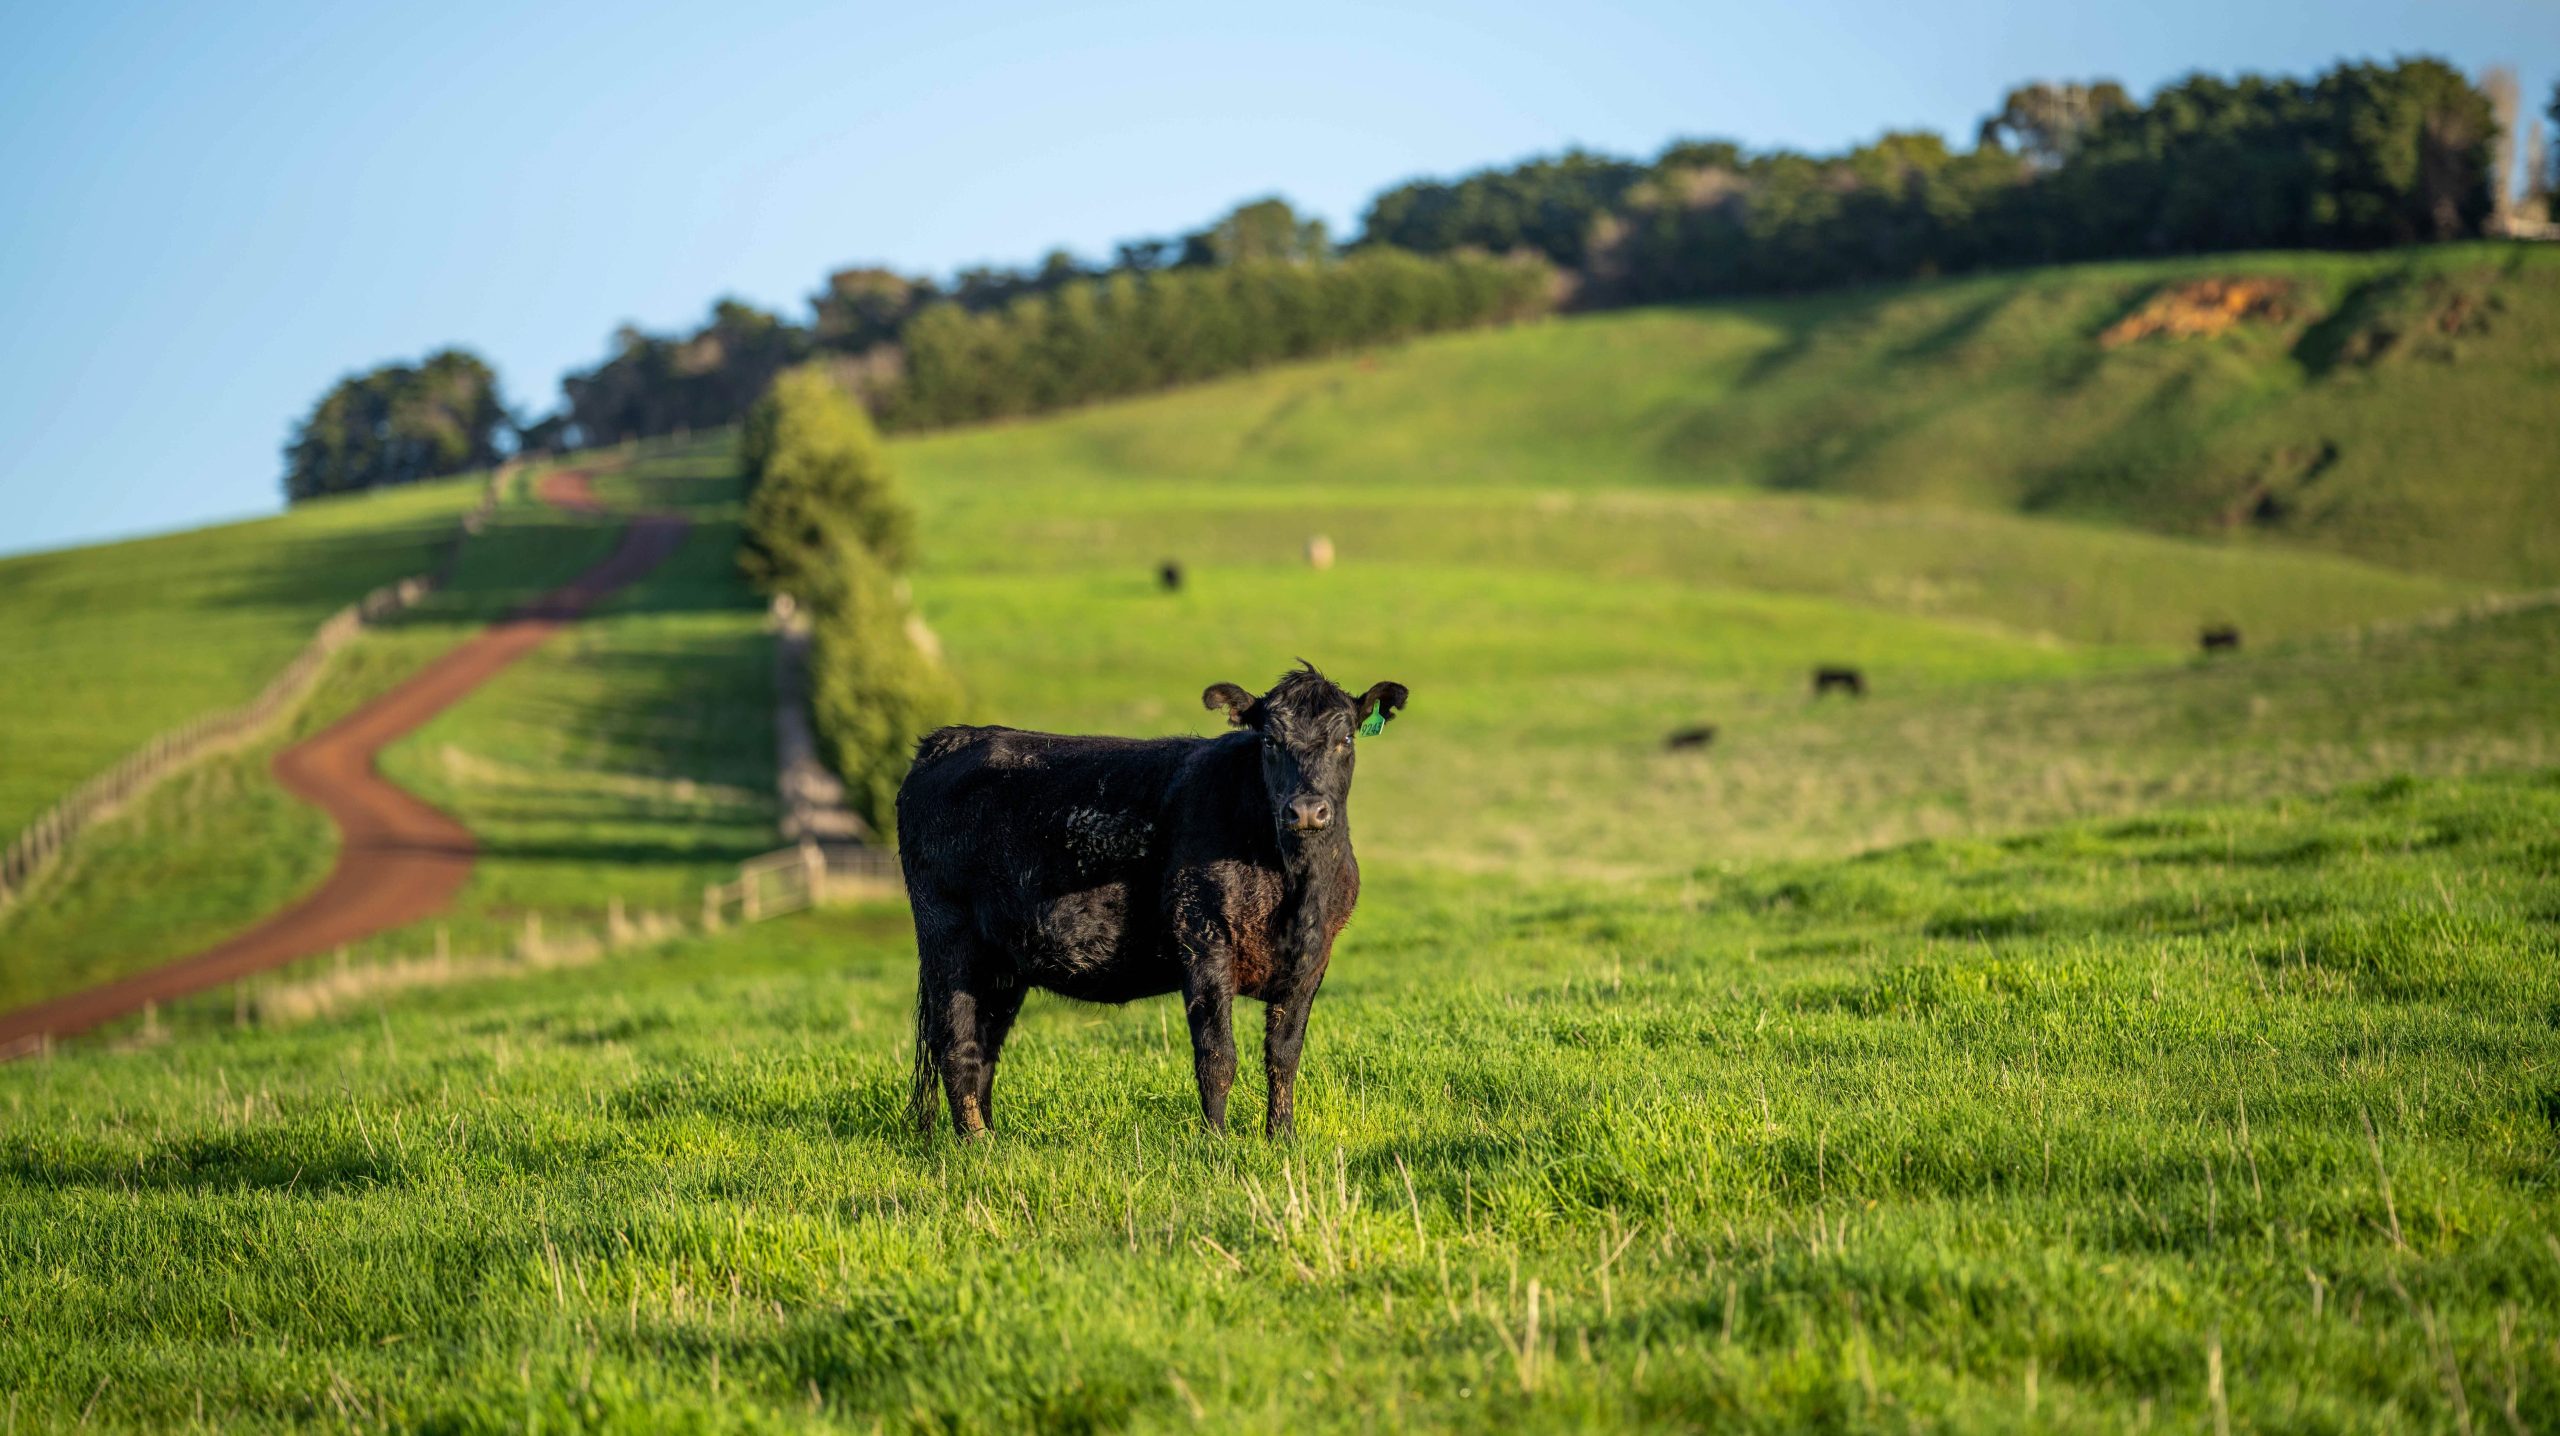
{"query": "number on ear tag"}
pixel 1375 724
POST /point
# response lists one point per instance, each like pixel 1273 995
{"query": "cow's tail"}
pixel 924 1091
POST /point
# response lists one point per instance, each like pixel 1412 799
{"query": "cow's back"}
pixel 1049 847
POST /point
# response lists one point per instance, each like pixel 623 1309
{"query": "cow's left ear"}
pixel 1380 704
pixel 1243 709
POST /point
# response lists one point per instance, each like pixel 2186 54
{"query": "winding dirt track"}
pixel 399 860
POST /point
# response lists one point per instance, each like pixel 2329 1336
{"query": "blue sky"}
pixel 217 210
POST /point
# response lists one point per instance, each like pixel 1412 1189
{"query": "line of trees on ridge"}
pixel 2363 155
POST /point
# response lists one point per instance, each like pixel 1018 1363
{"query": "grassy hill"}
pixel 630 758
pixel 103 647
pixel 2398 410
pixel 2075 1033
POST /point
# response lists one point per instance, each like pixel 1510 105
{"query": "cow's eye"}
pixel 1342 745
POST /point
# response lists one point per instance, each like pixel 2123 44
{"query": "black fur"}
pixel 1110 869
pixel 2220 638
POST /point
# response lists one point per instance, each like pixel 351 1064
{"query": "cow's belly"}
pixel 1082 945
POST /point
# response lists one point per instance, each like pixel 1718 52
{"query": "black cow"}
pixel 1698 737
pixel 2220 638
pixel 1848 680
pixel 1169 575
pixel 1110 869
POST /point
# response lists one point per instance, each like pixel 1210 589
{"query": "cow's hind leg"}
pixel 947 1029
pixel 997 1007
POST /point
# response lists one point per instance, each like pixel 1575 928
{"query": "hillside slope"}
pixel 105 646
pixel 628 759
pixel 2395 406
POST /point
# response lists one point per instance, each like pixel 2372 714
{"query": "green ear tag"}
pixel 1375 724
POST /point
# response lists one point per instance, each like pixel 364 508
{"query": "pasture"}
pixel 224 607
pixel 218 845
pixel 2232 1115
pixel 2076 1032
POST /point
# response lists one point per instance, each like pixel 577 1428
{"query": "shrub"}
pixel 826 524
pixel 814 467
pixel 872 689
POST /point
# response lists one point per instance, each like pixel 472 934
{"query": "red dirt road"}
pixel 399 860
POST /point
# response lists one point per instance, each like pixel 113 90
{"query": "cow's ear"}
pixel 1242 708
pixel 1380 704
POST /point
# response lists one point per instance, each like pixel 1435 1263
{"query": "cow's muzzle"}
pixel 1310 815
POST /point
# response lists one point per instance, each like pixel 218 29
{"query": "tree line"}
pixel 2360 156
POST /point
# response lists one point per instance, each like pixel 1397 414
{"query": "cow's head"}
pixel 1308 727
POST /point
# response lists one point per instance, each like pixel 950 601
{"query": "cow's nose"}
pixel 1309 814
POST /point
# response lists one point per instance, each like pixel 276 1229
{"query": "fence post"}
pixel 531 945
pixel 617 931
pixel 750 897
pixel 711 907
pixel 813 871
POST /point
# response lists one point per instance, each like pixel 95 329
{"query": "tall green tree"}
pixel 2043 123
pixel 816 471
pixel 1263 231
pixel 396 425
pixel 1547 205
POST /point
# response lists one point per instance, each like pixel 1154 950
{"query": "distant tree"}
pixel 1548 205
pixel 547 435
pixel 1145 256
pixel 864 306
pixel 2408 152
pixel 657 385
pixel 396 425
pixel 2542 163
pixel 1264 230
pixel 2042 123
pixel 1699 155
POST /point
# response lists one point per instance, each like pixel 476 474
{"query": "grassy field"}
pixel 2236 1114
pixel 2075 1033
pixel 101 648
pixel 219 846
pixel 632 756
pixel 2356 425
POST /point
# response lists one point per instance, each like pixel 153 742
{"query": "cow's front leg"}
pixel 1208 999
pixel 1284 1037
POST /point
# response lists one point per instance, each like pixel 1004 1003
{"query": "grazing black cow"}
pixel 2220 638
pixel 1697 737
pixel 1169 574
pixel 1847 680
pixel 1110 869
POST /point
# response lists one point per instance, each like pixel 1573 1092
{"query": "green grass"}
pixel 1989 393
pixel 102 648
pixel 220 846
pixel 2069 1020
pixel 631 757
pixel 2037 1133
